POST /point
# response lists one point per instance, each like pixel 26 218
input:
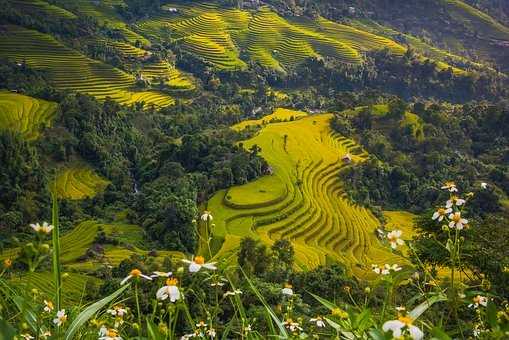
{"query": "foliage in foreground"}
pixel 202 299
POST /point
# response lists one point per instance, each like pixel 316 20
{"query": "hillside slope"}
pixel 302 199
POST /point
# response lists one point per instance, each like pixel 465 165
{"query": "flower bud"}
pixel 136 327
pixel 180 270
pixel 44 248
pixel 367 290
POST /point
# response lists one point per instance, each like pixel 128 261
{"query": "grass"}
pixel 67 69
pixel 79 182
pixel 302 200
pixel 25 115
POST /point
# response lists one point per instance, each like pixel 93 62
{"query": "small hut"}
pixel 346 159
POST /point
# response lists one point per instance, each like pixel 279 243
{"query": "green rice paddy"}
pixel 25 115
pixel 302 200
pixel 79 182
pixel 69 70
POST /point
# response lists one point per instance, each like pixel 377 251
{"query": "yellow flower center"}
pixel 441 211
pixel 450 184
pixel 49 304
pixel 199 260
pixel 171 282
pixel 136 273
pixel 456 217
pixel 112 333
pixel 63 318
pixel 287 285
pixel 406 320
pixel 339 313
pixel 7 263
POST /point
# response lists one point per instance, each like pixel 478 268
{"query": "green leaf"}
pixel 376 334
pixel 7 332
pixel 274 317
pixel 88 312
pixel 324 302
pixel 491 314
pixel 417 311
pixel 439 334
pixel 153 331
pixel 333 324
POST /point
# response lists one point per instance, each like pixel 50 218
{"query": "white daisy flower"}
pixel 394 267
pixel 232 293
pixel 188 336
pixel 201 324
pixel 248 328
pixel 454 200
pixel 60 318
pixel 379 270
pixel 117 311
pixel 318 321
pixel 479 301
pixel 206 216
pixel 287 290
pixel 161 274
pixel 48 306
pixel 403 323
pixel 135 273
pixel 457 222
pixel 45 228
pixel 108 334
pixel 169 291
pixel 451 186
pixel 394 238
pixel 292 326
pixel 441 213
pixel 26 336
pixel 211 332
pixel 198 262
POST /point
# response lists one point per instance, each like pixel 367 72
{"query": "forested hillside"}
pixel 264 144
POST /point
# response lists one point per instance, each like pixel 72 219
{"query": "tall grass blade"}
pixel 57 275
pixel 274 317
pixel 88 312
pixel 417 311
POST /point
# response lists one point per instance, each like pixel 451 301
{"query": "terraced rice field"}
pixel 42 8
pixel 220 35
pixel 279 114
pixel 74 285
pixel 79 182
pixel 25 115
pixel 171 76
pixel 302 200
pixel 104 12
pixel 75 243
pixel 69 70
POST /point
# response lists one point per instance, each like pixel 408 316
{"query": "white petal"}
pixel 186 261
pixel 394 326
pixel 210 266
pixel 174 293
pixel 162 293
pixel 194 267
pixel 125 280
pixel 415 332
pixel 146 277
